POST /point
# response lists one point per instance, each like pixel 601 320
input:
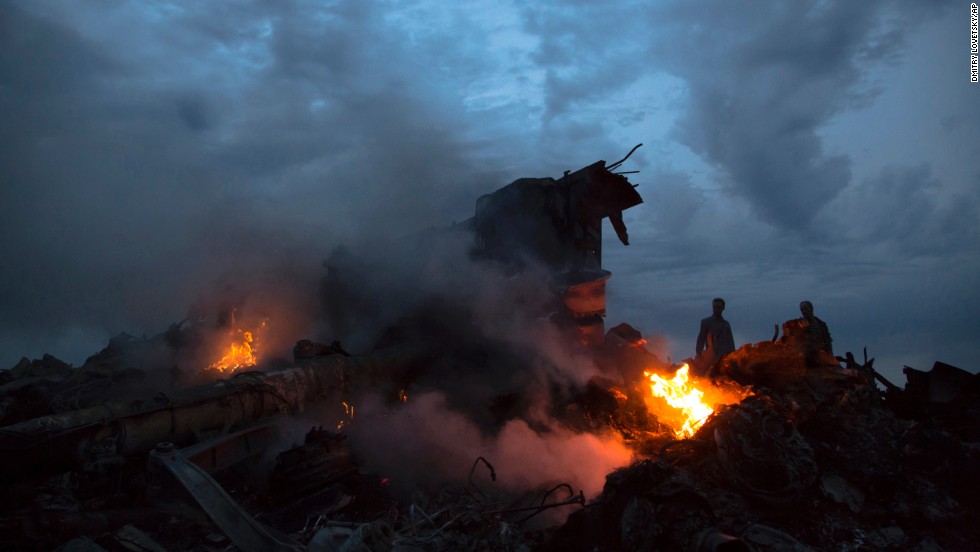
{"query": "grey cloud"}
pixel 897 204
pixel 906 210
pixel 147 159
pixel 193 113
pixel 42 58
pixel 583 51
pixel 676 203
pixel 139 177
pixel 763 80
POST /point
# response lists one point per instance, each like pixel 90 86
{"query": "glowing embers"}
pixel 240 353
pixel 347 417
pixel 681 402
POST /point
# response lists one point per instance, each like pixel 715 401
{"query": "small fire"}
pixel 240 353
pixel 686 401
pixel 347 417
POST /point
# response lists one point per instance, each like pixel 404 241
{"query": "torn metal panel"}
pixel 241 528
pixel 94 436
pixel 308 470
pixel 557 222
pixel 219 453
pixel 943 384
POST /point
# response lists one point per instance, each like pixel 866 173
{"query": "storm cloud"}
pixel 153 152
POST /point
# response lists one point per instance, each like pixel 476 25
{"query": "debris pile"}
pixel 192 440
pixel 821 464
pixel 823 461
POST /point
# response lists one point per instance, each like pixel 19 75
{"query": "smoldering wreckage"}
pixel 148 448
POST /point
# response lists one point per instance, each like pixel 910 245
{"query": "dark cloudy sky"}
pixel 822 150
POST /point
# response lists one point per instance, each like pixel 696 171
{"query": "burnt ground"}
pixel 815 459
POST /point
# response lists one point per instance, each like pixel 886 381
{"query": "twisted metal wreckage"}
pixel 875 471
pixel 191 434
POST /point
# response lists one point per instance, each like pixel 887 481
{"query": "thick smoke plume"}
pixel 502 368
pixel 425 442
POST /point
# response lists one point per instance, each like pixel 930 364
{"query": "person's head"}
pixel 717 305
pixel 806 308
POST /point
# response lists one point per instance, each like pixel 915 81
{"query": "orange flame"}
pixel 682 396
pixel 685 402
pixel 347 417
pixel 240 354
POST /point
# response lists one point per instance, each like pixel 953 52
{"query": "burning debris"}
pixel 687 400
pixel 506 419
pixel 241 353
pixel 802 468
pixel 866 478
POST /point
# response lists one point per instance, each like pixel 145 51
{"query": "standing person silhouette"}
pixel 715 339
pixel 816 333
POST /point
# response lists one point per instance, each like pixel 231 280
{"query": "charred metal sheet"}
pixel 225 451
pixel 554 221
pixel 124 428
pixel 943 384
pixel 242 529
pixel 584 293
pixel 305 470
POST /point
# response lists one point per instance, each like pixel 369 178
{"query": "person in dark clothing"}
pixel 715 339
pixel 817 333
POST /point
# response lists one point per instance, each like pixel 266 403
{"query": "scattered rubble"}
pixel 150 446
pixel 798 469
pixel 822 462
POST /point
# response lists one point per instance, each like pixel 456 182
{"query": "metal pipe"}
pixel 89 436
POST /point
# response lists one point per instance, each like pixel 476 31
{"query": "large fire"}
pixel 240 352
pixel 686 405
